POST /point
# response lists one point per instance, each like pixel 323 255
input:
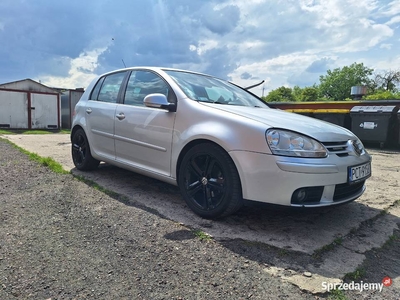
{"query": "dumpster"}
pixel 335 116
pixel 372 123
pixel 398 128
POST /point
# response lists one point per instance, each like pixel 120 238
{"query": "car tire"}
pixel 81 155
pixel 209 181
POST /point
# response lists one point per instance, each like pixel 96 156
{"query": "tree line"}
pixel 336 86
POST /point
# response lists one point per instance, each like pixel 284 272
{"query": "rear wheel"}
pixel 81 155
pixel 209 182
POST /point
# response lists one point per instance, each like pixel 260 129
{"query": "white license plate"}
pixel 360 172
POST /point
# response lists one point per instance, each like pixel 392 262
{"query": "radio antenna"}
pixel 123 62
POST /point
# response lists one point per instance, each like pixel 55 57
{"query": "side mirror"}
pixel 159 101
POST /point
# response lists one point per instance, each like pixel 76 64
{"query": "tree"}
pixel 309 94
pixel 385 81
pixel 336 85
pixel 383 95
pixel 281 94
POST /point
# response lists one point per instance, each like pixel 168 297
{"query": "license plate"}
pixel 358 173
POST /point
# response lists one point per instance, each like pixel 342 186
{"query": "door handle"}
pixel 120 116
pixel 89 110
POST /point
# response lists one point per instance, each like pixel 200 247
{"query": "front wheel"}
pixel 81 154
pixel 209 181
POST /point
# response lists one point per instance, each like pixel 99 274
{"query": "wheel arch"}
pixel 74 129
pixel 193 143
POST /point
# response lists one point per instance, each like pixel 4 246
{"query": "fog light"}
pixel 300 195
pixel 307 195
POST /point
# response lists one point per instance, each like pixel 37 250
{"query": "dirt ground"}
pixel 290 253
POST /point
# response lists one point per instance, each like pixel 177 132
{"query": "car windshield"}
pixel 213 90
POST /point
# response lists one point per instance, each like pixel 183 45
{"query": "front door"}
pixel 143 135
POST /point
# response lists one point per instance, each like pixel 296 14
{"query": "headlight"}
pixel 358 147
pixel 287 143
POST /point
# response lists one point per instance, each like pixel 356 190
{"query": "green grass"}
pixel 98 187
pixel 282 252
pixel 33 131
pixel 4 131
pixel 356 275
pixel 337 295
pixel 45 161
pixel 390 241
pixel 319 252
pixel 202 235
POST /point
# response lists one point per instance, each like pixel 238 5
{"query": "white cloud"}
pixel 206 45
pixel 394 20
pixel 386 46
pixel 387 64
pixel 285 42
pixel 274 71
pixel 81 71
pixel 391 9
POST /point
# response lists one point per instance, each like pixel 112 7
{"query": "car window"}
pixel 210 89
pixel 143 83
pixel 96 90
pixel 110 87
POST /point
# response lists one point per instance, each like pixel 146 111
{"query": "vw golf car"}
pixel 218 142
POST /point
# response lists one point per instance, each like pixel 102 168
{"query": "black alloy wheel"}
pixel 81 154
pixel 209 181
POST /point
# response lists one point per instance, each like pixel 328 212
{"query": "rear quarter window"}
pixel 95 92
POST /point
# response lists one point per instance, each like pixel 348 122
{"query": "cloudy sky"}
pixel 284 42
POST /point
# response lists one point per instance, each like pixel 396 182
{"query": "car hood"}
pixel 320 130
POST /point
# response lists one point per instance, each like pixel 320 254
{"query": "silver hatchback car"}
pixel 218 142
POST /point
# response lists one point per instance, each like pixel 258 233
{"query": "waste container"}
pixel 398 128
pixel 336 116
pixel 371 123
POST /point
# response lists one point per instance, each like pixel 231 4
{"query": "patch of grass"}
pixel 282 252
pixel 319 252
pixel 33 131
pixel 66 131
pixel 356 275
pixel 48 162
pixel 390 241
pixel 337 295
pixel 36 132
pixel 45 161
pixel 98 187
pixel 202 235
pixel 5 131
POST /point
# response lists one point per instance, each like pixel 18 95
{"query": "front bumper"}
pixel 273 179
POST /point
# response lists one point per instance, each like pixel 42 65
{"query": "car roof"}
pixel 152 68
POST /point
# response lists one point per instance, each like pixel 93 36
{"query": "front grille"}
pixel 339 148
pixel 346 190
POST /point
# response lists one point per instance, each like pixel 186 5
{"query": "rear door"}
pixel 100 114
pixel 143 135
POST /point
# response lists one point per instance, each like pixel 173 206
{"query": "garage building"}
pixel 27 104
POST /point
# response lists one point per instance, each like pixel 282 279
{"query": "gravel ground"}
pixel 62 239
